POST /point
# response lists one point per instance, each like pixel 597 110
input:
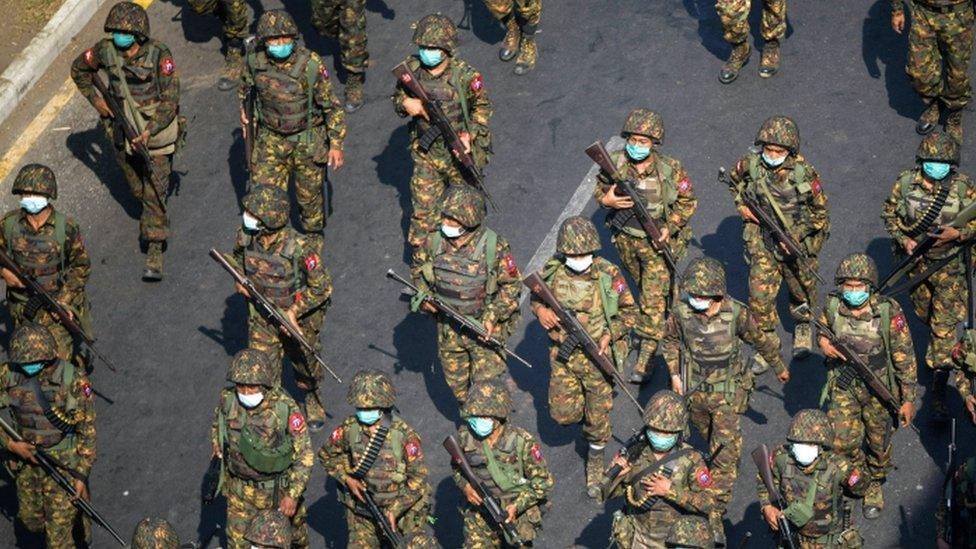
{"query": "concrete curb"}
pixel 21 75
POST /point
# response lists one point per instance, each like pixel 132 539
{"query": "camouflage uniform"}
pixel 53 255
pixel 270 529
pixel 509 463
pixel 793 194
pixel 266 450
pixel 964 360
pixel 669 196
pixel 299 118
pixel 816 495
pixel 646 520
pixel 690 532
pixel 345 20
pixel 521 20
pixel 715 379
pixel 963 493
pixel 147 85
pixel 477 274
pixel 397 478
pixel 735 24
pixel 233 16
pixel 154 533
pixel 287 268
pixel 878 332
pixel 599 296
pixel 63 426
pixel 462 93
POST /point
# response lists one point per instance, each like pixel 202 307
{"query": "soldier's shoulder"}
pixel 469 75
pixel 401 425
pixel 965 179
pixel 527 438
pixel 909 173
pixel 780 455
pixel 12 213
pixel 671 161
pixel 692 455
pixel 604 265
pixel 278 394
pixel 413 63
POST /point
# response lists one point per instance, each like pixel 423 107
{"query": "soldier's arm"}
pixel 671 346
pixel 421 256
pixel 85 429
pixel 335 115
pixel 819 215
pixel 246 82
pixel 83 69
pixel 317 279
pixel 626 316
pixel 78 265
pixel 694 492
pixel 686 203
pixel 889 214
pixel 969 230
pixel 300 469
pixel 739 175
pixel 852 480
pixel 537 473
pixel 459 480
pixel 903 355
pixel 506 301
pixel 601 187
pixel 479 105
pixel 416 485
pixel 332 455
pixel 767 344
pixel 239 245
pixel 169 93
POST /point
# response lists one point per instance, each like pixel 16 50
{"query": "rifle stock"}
pixel 761 457
pixel 489 505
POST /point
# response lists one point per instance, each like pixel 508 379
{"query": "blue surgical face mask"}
pixel 699 304
pixel 451 231
pixel 369 416
pixel 33 368
pixel 661 442
pixel 251 400
pixel 123 40
pixel 481 426
pixel 251 223
pixel 637 152
pixel 430 57
pixel 773 162
pixel 33 204
pixel 281 51
pixel 936 170
pixel 855 298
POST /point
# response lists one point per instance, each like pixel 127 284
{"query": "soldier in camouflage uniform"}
pixel 269 529
pixel 941 38
pixel 669 197
pixel 301 125
pixel 815 483
pixel 735 24
pixel 471 268
pixel 142 77
pixel 345 20
pixel 287 268
pixel 690 532
pixel 668 478
pixel 233 16
pixel 508 461
pixel 260 434
pixel 959 520
pixel 521 20
pixel 154 533
pixel 873 326
pixel 376 451
pixel 50 402
pixel 595 290
pixel 790 190
pixel 462 93
pixel 46 244
pixel 964 359
pixel 702 347
pixel 925 200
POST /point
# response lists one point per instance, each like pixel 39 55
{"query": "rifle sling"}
pixel 372 450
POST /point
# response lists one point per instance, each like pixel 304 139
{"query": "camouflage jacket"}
pixel 896 209
pixel 964 359
pixel 691 486
pixel 898 6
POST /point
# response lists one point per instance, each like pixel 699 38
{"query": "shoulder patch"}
pixel 816 187
pixel 536 453
pixel 86 389
pixel 684 186
pixel 957 351
pixel 323 71
pixel 296 423
pixel 89 57
pixel 336 436
pixel 898 323
pixel 510 267
pixel 412 450
pixel 477 83
pixel 312 262
pixel 619 285
pixel 167 66
pixel 853 478
pixel 704 477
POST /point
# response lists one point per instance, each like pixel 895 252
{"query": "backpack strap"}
pixel 885 310
pixel 311 75
pixel 8 232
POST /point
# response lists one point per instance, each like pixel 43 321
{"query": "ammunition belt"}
pixel 372 451
pixel 935 209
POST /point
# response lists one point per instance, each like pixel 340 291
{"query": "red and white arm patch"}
pixel 86 389
pixel 90 58
pixel 619 285
pixel 323 72
pixel 853 478
pixel 510 267
pixel 816 187
pixel 477 83
pixel 412 450
pixel 312 262
pixel 704 477
pixel 336 436
pixel 957 351
pixel 898 323
pixel 536 453
pixel 684 186
pixel 296 422
pixel 167 66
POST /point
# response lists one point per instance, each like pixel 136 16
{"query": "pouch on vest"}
pixel 262 459
pixel 801 512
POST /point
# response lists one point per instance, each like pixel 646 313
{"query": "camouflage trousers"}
pixel 43 506
pixel 852 540
pixel 245 499
pixel 735 19
pixel 528 12
pixel 940 302
pixel 364 533
pixel 465 361
pixel 276 157
pixel 938 41
pixel 858 417
pixel 718 421
pixel 478 534
pixel 264 336
pixel 432 173
pixel 344 20
pixel 148 189
pixel 649 269
pixel 635 532
pixel 232 14
pixel 578 392
pixel 766 275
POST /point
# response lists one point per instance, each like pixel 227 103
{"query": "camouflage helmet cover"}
pixel 32 343
pixel 644 122
pixel 857 266
pixel 779 130
pixel 371 389
pixel 704 276
pixel 465 205
pixel 690 531
pixel 436 30
pixel 276 23
pixel 487 399
pixel 251 367
pixel 269 528
pixel 940 147
pixel 36 179
pixel 269 204
pixel 154 533
pixel 811 426
pixel 666 412
pixel 577 236
pixel 128 17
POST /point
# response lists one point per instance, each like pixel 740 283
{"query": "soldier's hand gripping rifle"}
pixel 395 539
pixel 51 467
pixel 441 127
pixel 271 312
pixel 761 457
pixel 576 337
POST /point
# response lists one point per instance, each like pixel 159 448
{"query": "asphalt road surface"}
pixel 842 80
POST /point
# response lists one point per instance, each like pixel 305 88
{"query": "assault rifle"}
pixel 395 539
pixel 761 457
pixel 948 489
pixel 491 507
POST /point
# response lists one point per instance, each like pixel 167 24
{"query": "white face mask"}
pixel 804 454
pixel 251 223
pixel 250 401
pixel 451 231
pixel 579 264
pixel 699 304
pixel 773 162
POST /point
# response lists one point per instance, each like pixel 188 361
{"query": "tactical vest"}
pixel 787 198
pixel 652 508
pixel 41 256
pixel 136 84
pixel 257 444
pixel 581 295
pixel 447 89
pixel 460 277
pixel 285 102
pixel 500 468
pixel 828 520
pixel 388 474
pixel 916 202
pixel 712 345
pixel 657 186
pixel 869 338
pixel 275 273
pixel 55 428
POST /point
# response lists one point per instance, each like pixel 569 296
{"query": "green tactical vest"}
pixel 253 459
pixel 575 293
pixel 386 478
pixel 463 278
pixel 659 189
pixel 136 84
pixel 276 274
pixel 446 88
pixel 286 100
pixel 502 468
pixel 41 257
pixel 29 415
pixel 713 346
pixel 803 491
pixel 786 201
pixel 863 337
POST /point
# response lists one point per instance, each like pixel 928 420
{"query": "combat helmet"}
pixel 704 276
pixel 371 389
pixel 644 122
pixel 251 367
pixel 811 426
pixel 577 236
pixel 666 412
pixel 269 528
pixel 779 130
pixel 128 17
pixel 276 23
pixel 465 205
pixel 36 179
pixel 487 399
pixel 269 204
pixel 437 31
pixel 154 533
pixel 32 343
pixel 690 531
pixel 857 266
pixel 940 147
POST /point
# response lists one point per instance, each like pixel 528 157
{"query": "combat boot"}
pixel 737 59
pixel 230 78
pixel 940 382
pixel 528 52
pixel 759 365
pixel 873 501
pixel 769 62
pixel 154 263
pixel 929 118
pixel 802 340
pixel 354 91
pixel 314 411
pixel 953 125
pixel 643 363
pixel 594 471
pixel 510 44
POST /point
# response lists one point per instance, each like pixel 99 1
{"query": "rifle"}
pixel 459 319
pixel 771 226
pixel 630 450
pixel 391 535
pixel 948 487
pixel 64 315
pixel 50 466
pixel 270 311
pixel 761 457
pixel 489 505
pixel 441 127
pixel 211 480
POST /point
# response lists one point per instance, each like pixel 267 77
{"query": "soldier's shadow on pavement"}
pixel 325 46
pixel 239 176
pixel 326 516
pixel 725 245
pixel 382 8
pixel 93 150
pixel 394 168
pixel 751 523
pixel 710 26
pixel 204 28
pixel 534 347
pixel 597 531
pixel 212 524
pixel 232 335
pixel 481 22
pixel 449 527
pixel 880 45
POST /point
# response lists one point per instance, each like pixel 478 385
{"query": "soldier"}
pixel 269 529
pixel 735 24
pixel 471 268
pixel 233 16
pixel 702 348
pixel 509 462
pixel 925 200
pixel 815 483
pixel 376 451
pixel 301 124
pixel 941 38
pixel 461 91
pixel 521 20
pixel 789 187
pixel 958 519
pixel 690 532
pixel 51 404
pixel 287 268
pixel 47 246
pixel 964 359
pixel 595 290
pixel 668 196
pixel 155 533
pixel 873 326
pixel 260 434
pixel 142 77
pixel 668 478
pixel 345 20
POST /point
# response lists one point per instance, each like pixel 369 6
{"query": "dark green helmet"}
pixel 128 17
pixel 269 528
pixel 857 266
pixel 940 147
pixel 779 130
pixel 465 205
pixel 371 389
pixel 276 23
pixel 269 204
pixel 644 122
pixel 251 367
pixel 436 31
pixel 154 533
pixel 487 399
pixel 36 179
pixel 577 236
pixel 666 412
pixel 32 343
pixel 690 531
pixel 704 276
pixel 811 426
